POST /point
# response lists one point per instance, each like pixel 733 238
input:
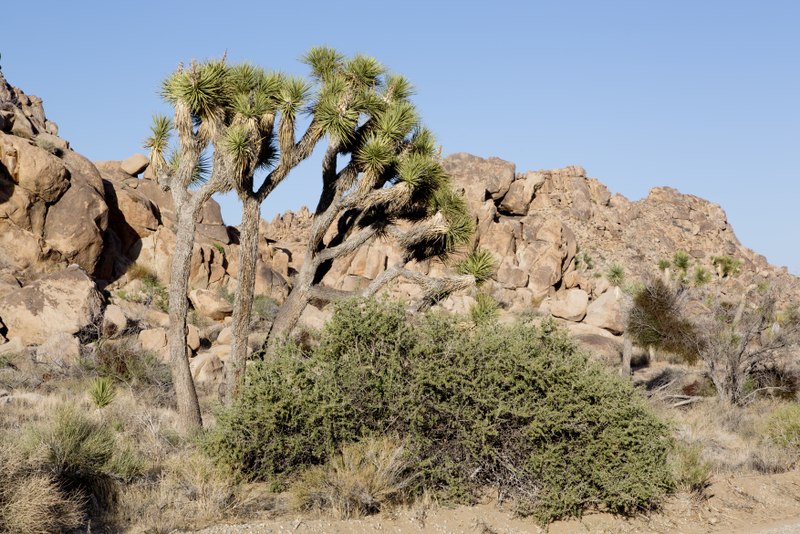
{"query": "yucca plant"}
pixel 681 260
pixel 480 263
pixel 616 275
pixel 102 391
pixel 485 309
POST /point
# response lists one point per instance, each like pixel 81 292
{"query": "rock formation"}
pixel 554 234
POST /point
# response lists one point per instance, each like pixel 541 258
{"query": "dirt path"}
pixel 742 505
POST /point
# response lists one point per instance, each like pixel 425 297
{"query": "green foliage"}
pixel 153 292
pixel 701 276
pixel 203 88
pixel 226 294
pixel 782 427
pixel 583 260
pixel 124 361
pixel 663 264
pixel 75 450
pixel 485 309
pixel 727 266
pixel 480 263
pixel 264 308
pixel 681 260
pixel 516 408
pixel 48 145
pixel 616 275
pixel 102 391
pixel 656 320
pixel 692 473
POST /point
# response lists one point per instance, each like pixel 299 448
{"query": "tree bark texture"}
pixel 242 309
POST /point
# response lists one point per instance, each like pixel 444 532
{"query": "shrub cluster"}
pixel 515 408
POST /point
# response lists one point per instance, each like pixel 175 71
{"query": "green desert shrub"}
pixel 783 427
pixel 616 275
pixel 75 450
pixel 102 391
pixel 692 473
pixel 514 408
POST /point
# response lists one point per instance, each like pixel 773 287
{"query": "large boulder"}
pixel 66 301
pixel 36 170
pixel 571 305
pixel 478 177
pixel 520 194
pixel 608 311
pixel 76 224
pixel 135 164
pixel 209 304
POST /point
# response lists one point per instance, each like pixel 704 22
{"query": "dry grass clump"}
pixel 362 479
pixel 188 492
pixel 732 440
pixel 31 501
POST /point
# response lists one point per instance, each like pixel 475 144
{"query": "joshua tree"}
pixel 381 179
pixel 211 114
pixel 391 185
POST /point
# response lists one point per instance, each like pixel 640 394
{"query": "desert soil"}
pixel 758 504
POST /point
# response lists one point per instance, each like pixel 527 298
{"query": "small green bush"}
pixel 701 276
pixel 615 275
pixel 782 427
pixel 663 264
pixel 75 450
pixel 485 309
pixel 727 265
pixel 681 260
pixel 480 263
pixel 515 408
pixel 692 473
pixel 264 309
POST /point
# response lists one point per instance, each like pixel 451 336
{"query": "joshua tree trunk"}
pixel 627 351
pixel 185 393
pixel 234 370
pixel 292 308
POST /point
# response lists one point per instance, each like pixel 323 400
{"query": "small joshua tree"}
pixel 381 178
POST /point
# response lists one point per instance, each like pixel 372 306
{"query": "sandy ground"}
pixel 760 504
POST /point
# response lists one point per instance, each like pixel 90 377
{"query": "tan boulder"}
pixel 155 340
pixel 608 311
pixel 135 164
pixel 37 171
pixel 207 368
pixel 115 322
pixel 511 276
pixel 225 336
pixel 314 318
pixel 520 194
pixel 21 249
pixel 477 176
pixel 570 305
pixel 79 238
pixel 192 337
pixel 209 304
pixel 65 301
pixel 60 349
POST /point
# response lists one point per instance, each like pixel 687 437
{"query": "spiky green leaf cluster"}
pixel 460 223
pixel 204 88
pixel 480 263
pixel 325 62
pixel 158 142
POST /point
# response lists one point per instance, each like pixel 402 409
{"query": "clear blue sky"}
pixel 703 96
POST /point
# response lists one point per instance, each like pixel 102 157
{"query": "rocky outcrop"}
pixel 64 302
